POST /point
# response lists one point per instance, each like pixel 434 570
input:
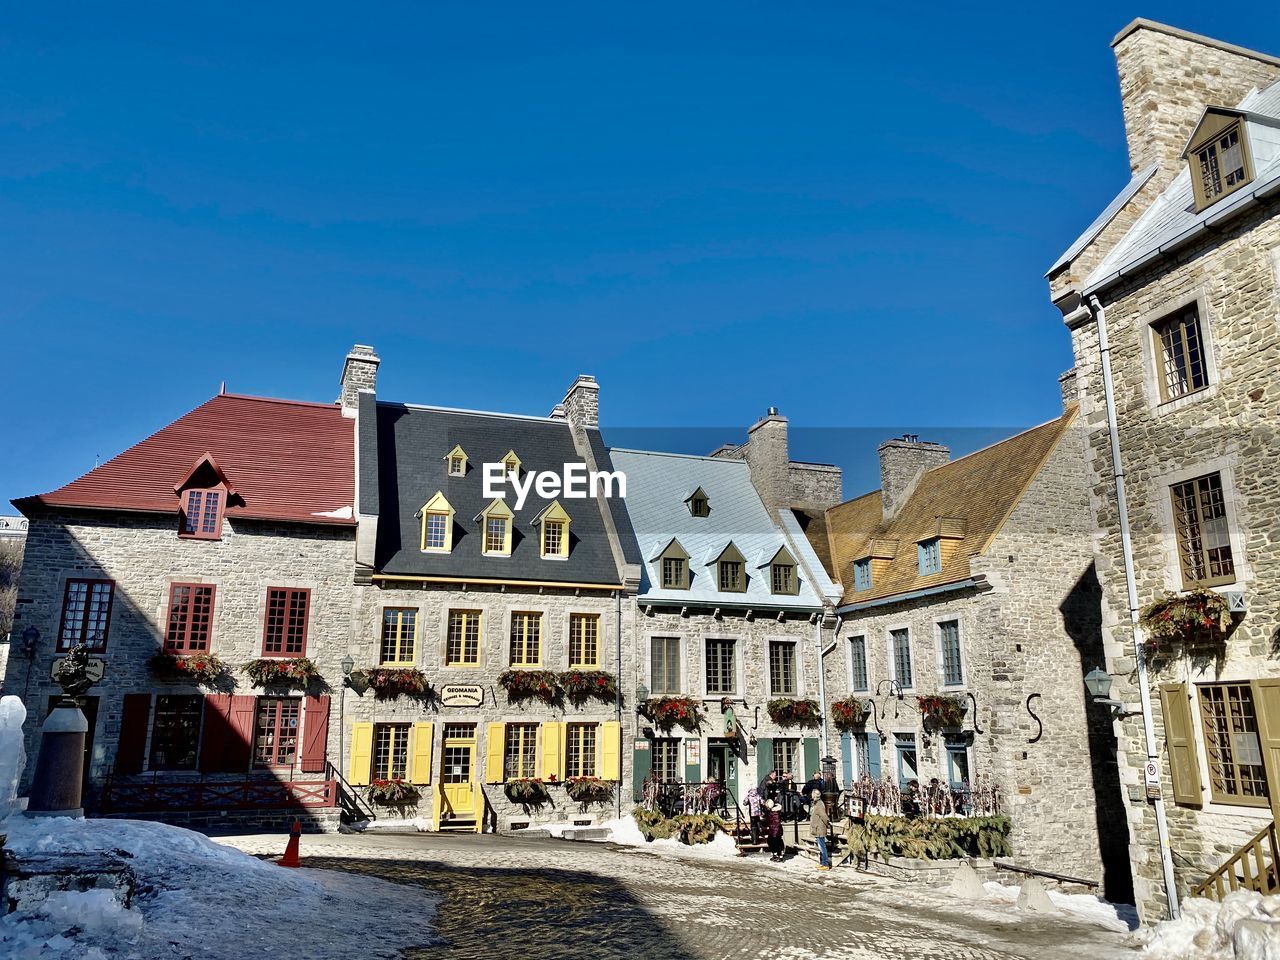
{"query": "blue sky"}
pixel 841 210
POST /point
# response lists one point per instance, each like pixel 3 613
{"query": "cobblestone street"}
pixel 532 898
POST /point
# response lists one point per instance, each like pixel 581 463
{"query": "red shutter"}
pixel 216 733
pixel 132 748
pixel 315 734
pixel 239 744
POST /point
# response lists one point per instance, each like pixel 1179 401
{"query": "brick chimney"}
pixel 902 461
pixel 359 372
pixel 1168 76
pixel 582 403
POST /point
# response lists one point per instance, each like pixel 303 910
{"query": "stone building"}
pixel 972 580
pixel 1179 276
pixel 730 616
pixel 481 592
pixel 227 534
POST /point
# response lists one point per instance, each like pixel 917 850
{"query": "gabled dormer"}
pixel 455 462
pixel 731 570
pixel 699 503
pixel 511 463
pixel 1220 152
pixel 673 566
pixel 783 580
pixel 495 522
pixel 553 532
pixel 202 500
pixel 437 525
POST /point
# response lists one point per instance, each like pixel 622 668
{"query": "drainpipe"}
pixel 1131 585
pixel 822 678
pixel 617 698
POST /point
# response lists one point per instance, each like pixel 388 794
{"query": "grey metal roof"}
pixel 408 468
pixel 657 487
pixel 1172 219
pixel 1091 232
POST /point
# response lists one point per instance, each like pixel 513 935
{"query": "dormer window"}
pixel 437 525
pixel 673 566
pixel 1218 153
pixel 782 574
pixel 495 525
pixel 456 462
pixel 699 504
pixel 862 574
pixel 930 556
pixel 202 500
pixel 511 463
pixel 553 523
pixel 731 573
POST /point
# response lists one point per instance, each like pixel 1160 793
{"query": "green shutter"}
pixel 641 766
pixel 812 762
pixel 846 757
pixel 764 758
pixel 692 771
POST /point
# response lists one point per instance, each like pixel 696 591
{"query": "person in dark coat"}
pixel 773 829
pixel 769 786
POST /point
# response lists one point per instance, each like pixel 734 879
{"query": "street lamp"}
pixel 348 665
pixel 1098 682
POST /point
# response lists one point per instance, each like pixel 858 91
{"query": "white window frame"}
pixel 1153 362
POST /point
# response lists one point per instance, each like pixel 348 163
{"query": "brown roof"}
pixel 283 460
pixel 980 489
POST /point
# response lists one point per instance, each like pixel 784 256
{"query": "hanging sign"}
pixel 461 695
pixel 692 752
pixel 1152 772
pixel 730 723
pixel 94 669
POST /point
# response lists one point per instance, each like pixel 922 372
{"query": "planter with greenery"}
pixel 196 668
pixel 688 828
pixel 1198 619
pixel 528 790
pixel 393 793
pixel 581 685
pixel 390 682
pixel 668 712
pixel 586 790
pixel 277 672
pixel 922 838
pixel 520 685
pixel 942 711
pixel 795 713
pixel 849 714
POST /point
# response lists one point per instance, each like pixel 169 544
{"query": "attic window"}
pixel 784 579
pixel 862 574
pixel 673 563
pixel 699 505
pixel 511 463
pixel 554 524
pixel 202 513
pixel 731 570
pixel 495 527
pixel 1220 165
pixel 456 461
pixel 930 554
pixel 437 525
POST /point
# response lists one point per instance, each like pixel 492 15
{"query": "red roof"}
pixel 284 460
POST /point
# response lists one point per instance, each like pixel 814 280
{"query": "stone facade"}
pixel 144 556
pixel 359 372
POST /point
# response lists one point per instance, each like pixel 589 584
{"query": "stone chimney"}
pixel 582 403
pixel 1070 387
pixel 766 454
pixel 1168 76
pixel 902 461
pixel 359 372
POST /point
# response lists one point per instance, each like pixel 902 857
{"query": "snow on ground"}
pixel 1244 926
pixel 627 833
pixel 199 899
pixel 418 824
pixel 1118 917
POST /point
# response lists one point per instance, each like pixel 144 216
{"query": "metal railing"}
pixel 1253 867
pixel 353 805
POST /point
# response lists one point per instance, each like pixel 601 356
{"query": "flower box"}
pixel 795 713
pixel 390 682
pixel 586 790
pixel 939 712
pixel 201 668
pixel 849 714
pixel 528 790
pixel 393 793
pixel 581 685
pixel 529 684
pixel 1196 619
pixel 276 672
pixel 668 712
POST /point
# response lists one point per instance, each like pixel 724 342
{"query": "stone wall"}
pixel 144 555
pixel 1231 427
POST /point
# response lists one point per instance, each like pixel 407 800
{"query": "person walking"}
pixel 773 829
pixel 819 827
pixel 755 810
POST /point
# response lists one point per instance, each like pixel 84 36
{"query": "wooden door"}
pixel 458 770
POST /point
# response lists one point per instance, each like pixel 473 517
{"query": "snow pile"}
pixel 1109 916
pixel 418 824
pixel 626 832
pixel 1244 926
pixel 13 755
pixel 198 899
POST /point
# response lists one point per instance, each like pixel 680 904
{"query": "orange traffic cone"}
pixel 290 858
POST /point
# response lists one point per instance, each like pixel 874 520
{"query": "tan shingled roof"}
pixel 982 489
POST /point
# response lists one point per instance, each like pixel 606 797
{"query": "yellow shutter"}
pixel 553 751
pixel 361 763
pixel 611 750
pixel 1266 705
pixel 495 740
pixel 1180 739
pixel 420 770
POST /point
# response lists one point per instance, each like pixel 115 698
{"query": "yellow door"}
pixel 458 771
